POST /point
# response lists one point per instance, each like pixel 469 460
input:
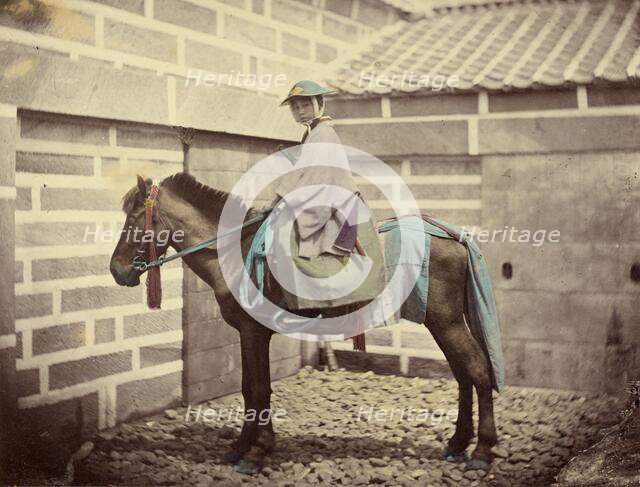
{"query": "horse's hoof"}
pixel 455 457
pixel 232 456
pixel 477 464
pixel 246 467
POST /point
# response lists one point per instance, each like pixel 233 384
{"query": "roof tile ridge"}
pixel 623 31
pixel 342 64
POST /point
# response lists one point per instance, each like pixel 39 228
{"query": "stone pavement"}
pixel 352 429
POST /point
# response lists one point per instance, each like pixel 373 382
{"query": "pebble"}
pixel 171 413
pixel 322 441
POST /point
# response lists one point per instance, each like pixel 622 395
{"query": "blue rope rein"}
pixel 140 265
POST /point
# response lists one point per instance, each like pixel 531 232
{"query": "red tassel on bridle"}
pixel 154 288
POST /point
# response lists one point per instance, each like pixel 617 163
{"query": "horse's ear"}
pixel 142 186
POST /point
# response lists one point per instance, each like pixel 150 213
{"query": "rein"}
pixel 154 291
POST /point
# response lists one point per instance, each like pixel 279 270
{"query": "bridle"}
pixel 149 250
pixel 151 216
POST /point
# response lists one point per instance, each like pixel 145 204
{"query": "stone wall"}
pixel 212 348
pixel 83 341
pixel 564 160
pixel 90 93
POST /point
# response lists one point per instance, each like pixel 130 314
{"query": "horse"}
pixel 185 204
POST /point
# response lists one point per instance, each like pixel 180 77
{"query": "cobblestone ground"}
pixel 330 437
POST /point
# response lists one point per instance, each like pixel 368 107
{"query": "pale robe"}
pixel 319 226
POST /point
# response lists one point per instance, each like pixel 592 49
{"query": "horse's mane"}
pixel 207 199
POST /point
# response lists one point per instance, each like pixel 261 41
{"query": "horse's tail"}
pixel 481 314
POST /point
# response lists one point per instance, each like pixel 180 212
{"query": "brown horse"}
pixel 185 204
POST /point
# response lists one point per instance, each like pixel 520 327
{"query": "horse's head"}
pixel 134 241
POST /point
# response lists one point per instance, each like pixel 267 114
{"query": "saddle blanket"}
pixel 413 233
pixel 481 313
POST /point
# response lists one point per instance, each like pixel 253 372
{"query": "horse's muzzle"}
pixel 124 275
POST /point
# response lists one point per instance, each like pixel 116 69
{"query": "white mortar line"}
pixel 483 102
pixel 26 272
pixel 119 328
pixel 394 350
pixel 8 193
pixel 62 251
pixel 564 112
pixel 78 390
pixel 438 180
pixel 99 27
pixel 180 53
pixel 8 111
pixel 135 358
pixel 97 165
pixel 102 408
pixel 169 277
pixel 87 182
pixel 7 341
pixel 111 403
pixel 43 373
pixel 128 344
pixel 355 9
pixel 405 169
pixel 171 102
pixel 472 136
pixel 76 216
pixel 267 9
pixel 148 9
pixel 75 149
pixel 444 204
pixel 57 299
pixel 385 106
pixel 404 363
pixel 173 29
pixel 582 98
pixel 90 332
pixel 112 136
pixel 27 324
pixel 27 347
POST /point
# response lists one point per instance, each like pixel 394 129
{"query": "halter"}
pixel 154 287
pixel 151 215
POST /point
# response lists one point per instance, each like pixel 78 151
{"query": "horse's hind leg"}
pixel 469 362
pixel 460 440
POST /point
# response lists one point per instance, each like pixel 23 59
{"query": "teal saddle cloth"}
pixel 481 312
pixel 482 316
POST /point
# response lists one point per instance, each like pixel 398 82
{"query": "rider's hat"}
pixel 306 88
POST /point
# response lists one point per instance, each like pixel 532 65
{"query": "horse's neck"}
pixel 204 263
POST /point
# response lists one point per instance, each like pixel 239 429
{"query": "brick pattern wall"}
pixel 8 400
pixel 172 37
pixel 84 342
pixel 562 160
pixel 212 347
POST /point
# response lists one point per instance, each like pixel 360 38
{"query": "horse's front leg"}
pixel 257 437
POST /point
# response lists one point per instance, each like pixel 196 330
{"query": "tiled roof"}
pixel 502 46
pixel 423 7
